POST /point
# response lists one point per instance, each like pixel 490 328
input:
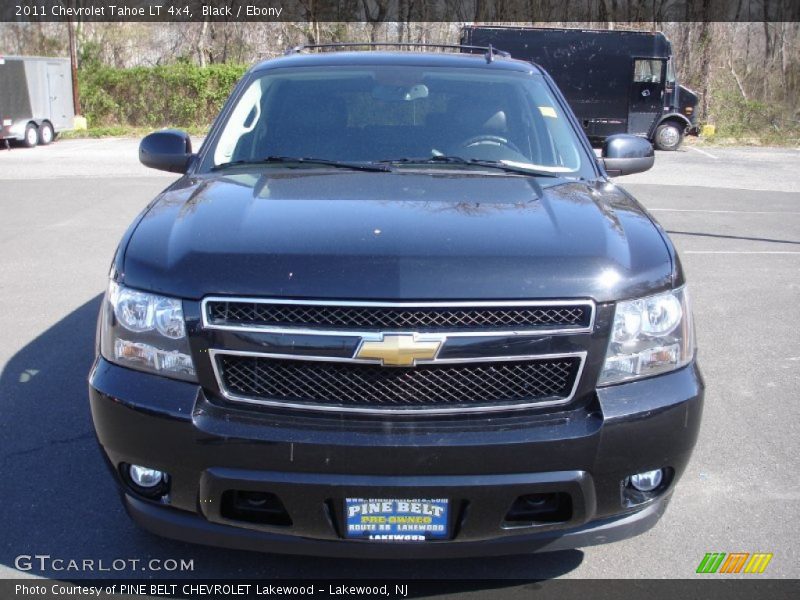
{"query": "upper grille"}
pixel 427 318
pixel 372 387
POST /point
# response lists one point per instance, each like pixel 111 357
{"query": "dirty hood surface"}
pixel 403 235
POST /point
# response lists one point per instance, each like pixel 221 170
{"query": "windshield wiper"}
pixel 339 164
pixel 459 160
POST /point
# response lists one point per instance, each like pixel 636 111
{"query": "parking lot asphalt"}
pixel 734 214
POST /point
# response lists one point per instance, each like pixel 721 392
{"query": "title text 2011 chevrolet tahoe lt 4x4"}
pixel 395 307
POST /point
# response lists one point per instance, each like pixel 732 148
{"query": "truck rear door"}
pixel 59 95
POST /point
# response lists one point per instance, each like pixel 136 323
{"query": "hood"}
pixel 405 235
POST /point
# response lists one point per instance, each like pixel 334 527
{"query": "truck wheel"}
pixel 31 136
pixel 668 136
pixel 46 134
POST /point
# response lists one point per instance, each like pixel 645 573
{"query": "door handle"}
pixel 645 93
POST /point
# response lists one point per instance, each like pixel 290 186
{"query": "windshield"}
pixel 406 114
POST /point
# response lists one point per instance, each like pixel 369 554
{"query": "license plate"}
pixel 396 520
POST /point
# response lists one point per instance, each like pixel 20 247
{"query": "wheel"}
pixel 46 134
pixel 31 135
pixel 668 136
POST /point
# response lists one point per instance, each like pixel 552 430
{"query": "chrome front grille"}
pixel 397 357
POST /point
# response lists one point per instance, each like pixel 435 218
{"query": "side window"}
pixel 647 70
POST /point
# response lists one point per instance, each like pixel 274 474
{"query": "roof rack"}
pixel 489 50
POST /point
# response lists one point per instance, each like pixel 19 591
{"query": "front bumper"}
pixel 482 464
pixel 192 528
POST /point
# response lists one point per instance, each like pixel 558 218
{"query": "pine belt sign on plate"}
pixel 402 520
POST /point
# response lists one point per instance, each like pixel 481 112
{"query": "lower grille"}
pixel 348 386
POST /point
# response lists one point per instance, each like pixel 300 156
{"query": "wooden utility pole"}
pixel 73 59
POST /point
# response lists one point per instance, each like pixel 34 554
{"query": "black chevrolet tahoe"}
pixel 394 307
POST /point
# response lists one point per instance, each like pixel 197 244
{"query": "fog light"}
pixel 648 480
pixel 145 477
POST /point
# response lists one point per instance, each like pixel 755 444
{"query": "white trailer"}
pixel 35 98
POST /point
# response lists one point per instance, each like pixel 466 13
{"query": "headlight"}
pixel 650 336
pixel 145 332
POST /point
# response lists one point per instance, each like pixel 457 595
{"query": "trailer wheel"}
pixel 46 134
pixel 31 136
pixel 668 136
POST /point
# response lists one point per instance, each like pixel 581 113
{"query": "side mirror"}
pixel 625 154
pixel 167 150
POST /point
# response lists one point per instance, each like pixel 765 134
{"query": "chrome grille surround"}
pixel 229 392
pixel 216 355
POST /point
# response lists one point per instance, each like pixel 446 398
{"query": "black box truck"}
pixel 615 81
pixel 35 99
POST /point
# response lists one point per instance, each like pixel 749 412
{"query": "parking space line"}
pixel 738 252
pixel 708 154
pixel 733 212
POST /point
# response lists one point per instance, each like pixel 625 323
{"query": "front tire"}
pixel 46 134
pixel 668 136
pixel 31 136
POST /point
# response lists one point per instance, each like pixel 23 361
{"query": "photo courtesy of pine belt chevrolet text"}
pixel 395 307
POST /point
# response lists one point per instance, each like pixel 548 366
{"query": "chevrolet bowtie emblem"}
pixel 398 350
